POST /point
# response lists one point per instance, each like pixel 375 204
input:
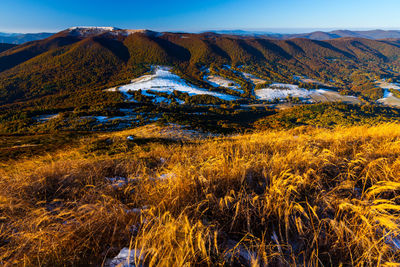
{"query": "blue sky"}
pixel 190 15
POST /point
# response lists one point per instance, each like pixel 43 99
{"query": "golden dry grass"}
pixel 306 196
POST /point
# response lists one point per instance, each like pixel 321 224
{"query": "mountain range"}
pixel 93 58
pixel 318 35
pixel 20 38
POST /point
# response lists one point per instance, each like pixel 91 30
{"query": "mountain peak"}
pixel 84 31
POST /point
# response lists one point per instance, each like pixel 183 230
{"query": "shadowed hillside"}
pixel 4 47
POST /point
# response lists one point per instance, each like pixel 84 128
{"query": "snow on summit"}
pixel 93 28
pixel 90 31
pixel 85 31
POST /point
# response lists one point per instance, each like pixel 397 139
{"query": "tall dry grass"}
pixel 306 196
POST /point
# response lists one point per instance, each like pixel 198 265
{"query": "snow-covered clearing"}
pixel 252 78
pixel 163 80
pixel 388 97
pixel 47 117
pixel 281 91
pixel 218 81
pixel 104 119
pixel 130 117
pixel 386 85
pixel 325 95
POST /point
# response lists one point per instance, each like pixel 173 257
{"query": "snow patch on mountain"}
pixel 386 85
pixel 388 97
pixel 219 81
pixel 252 78
pixel 279 91
pixel 163 80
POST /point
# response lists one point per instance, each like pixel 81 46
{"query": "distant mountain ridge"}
pixel 318 35
pixel 20 38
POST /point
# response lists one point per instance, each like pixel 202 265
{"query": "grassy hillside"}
pixel 304 196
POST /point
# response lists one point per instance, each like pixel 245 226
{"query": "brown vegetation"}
pixel 302 196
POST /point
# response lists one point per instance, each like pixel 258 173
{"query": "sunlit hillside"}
pixel 171 197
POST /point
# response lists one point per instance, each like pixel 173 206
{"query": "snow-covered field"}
pixel 388 97
pixel 385 85
pixel 218 81
pixel 255 80
pixel 44 118
pixel 281 91
pixel 163 80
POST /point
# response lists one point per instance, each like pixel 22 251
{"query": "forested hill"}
pixel 95 58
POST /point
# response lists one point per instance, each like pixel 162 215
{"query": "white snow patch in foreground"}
pixel 118 182
pixel 163 80
pixel 393 241
pixel 240 252
pixel 163 177
pixel 126 258
pixel 166 176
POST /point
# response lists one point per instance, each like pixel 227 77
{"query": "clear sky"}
pixel 192 15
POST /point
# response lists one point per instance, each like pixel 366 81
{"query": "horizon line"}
pixel 275 30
